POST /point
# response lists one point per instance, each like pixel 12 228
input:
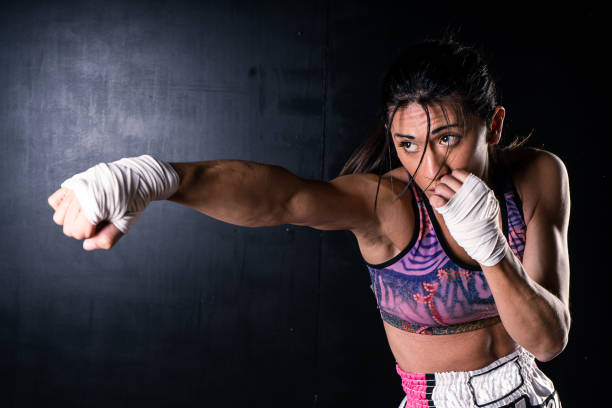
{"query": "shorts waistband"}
pixel 419 381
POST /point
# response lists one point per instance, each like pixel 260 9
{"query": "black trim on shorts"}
pixel 513 360
pixel 527 403
pixel 431 384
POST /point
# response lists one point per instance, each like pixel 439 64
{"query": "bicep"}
pixel 546 256
pixel 344 203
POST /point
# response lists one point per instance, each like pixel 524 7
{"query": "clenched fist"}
pixel 68 213
pixel 101 204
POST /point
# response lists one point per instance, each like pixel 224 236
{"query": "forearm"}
pixel 238 192
pixel 533 317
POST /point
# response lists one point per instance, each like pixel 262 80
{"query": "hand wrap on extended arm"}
pixel 120 191
pixel 471 218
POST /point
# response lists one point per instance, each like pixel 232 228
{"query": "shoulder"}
pixel 392 212
pixel 541 179
pixel 369 187
pixel 377 189
pixel 529 156
pixel 394 207
pixel 394 183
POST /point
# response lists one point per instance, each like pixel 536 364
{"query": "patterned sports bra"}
pixel 427 290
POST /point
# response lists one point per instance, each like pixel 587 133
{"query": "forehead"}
pixel 413 116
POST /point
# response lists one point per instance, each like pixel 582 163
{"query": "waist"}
pixel 454 352
pixel 445 378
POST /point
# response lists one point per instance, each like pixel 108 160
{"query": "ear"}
pixel 497 124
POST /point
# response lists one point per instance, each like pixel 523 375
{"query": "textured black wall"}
pixel 190 311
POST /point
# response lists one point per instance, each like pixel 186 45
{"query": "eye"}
pixel 454 139
pixel 405 145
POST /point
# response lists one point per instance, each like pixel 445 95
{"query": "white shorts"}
pixel 511 381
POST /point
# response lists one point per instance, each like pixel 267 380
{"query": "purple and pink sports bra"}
pixel 426 290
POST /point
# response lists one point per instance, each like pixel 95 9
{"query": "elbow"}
pixel 549 354
pixel 554 347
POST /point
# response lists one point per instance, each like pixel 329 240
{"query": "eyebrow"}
pixel 433 132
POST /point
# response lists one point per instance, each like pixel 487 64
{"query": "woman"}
pixel 465 242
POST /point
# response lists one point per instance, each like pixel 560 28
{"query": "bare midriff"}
pixel 419 353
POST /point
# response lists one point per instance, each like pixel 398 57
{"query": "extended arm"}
pixel 238 192
pixel 252 194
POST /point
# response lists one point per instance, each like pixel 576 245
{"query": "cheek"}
pixel 409 165
pixel 477 159
pixel 470 153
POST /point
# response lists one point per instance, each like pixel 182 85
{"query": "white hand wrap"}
pixel 120 191
pixel 471 218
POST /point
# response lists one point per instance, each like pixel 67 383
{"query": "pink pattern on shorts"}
pixel 415 387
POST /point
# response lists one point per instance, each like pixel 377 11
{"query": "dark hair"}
pixel 439 72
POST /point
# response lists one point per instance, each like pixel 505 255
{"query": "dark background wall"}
pixel 189 311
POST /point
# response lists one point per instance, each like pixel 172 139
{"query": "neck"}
pixel 490 169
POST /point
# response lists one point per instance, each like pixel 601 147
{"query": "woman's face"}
pixel 465 150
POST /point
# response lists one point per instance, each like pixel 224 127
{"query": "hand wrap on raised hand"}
pixel 471 218
pixel 120 191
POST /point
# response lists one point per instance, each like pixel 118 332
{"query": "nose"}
pixel 434 166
